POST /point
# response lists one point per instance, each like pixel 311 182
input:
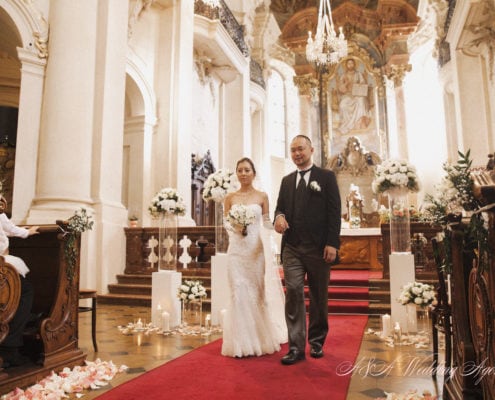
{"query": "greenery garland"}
pixel 77 224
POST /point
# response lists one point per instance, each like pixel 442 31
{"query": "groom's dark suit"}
pixel 314 225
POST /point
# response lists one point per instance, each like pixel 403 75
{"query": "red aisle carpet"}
pixel 205 374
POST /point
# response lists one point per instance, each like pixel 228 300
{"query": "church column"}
pixel 396 73
pixel 80 151
pixel 308 87
pixel 31 93
pixel 172 145
pixel 235 131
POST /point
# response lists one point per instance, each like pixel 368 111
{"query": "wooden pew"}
pixel 54 344
pixel 10 288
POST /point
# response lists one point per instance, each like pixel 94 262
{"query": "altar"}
pixel 360 248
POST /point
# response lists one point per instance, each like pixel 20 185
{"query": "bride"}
pixel 254 323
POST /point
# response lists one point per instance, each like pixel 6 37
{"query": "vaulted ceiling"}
pixel 379 27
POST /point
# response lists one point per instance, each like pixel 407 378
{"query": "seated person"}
pixel 9 348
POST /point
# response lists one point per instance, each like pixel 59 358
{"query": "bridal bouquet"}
pixel 240 216
pixel 392 174
pixel 191 290
pixel 418 293
pixel 167 201
pixel 218 184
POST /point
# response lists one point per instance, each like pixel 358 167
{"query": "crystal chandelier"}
pixel 212 3
pixel 327 47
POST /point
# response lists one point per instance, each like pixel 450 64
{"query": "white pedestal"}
pixel 220 289
pixel 164 288
pixel 401 272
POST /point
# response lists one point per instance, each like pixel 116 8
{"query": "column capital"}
pixel 397 72
pixel 306 84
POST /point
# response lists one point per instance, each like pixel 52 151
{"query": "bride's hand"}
pixel 281 224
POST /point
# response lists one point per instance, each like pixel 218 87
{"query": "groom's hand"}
pixel 329 254
pixel 281 224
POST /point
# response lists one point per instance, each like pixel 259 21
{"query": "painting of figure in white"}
pixel 351 105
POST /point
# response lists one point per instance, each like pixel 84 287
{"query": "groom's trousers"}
pixel 299 261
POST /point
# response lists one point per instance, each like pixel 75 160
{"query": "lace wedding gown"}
pixel 254 323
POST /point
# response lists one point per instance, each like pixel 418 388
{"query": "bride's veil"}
pixel 274 292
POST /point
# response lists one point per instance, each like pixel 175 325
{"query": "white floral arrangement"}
pixel 240 216
pixel 315 186
pixel 191 290
pixel 409 395
pixel 393 174
pixel 218 184
pixel 417 293
pixel 167 201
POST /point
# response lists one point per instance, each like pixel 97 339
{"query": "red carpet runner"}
pixel 205 374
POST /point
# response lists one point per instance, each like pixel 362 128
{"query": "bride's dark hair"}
pixel 248 160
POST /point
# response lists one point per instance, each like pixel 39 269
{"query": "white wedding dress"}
pixel 255 320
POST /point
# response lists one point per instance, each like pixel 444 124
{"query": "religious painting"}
pixel 353 105
pixel 354 133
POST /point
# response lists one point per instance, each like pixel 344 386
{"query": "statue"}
pixel 354 202
pixel 355 159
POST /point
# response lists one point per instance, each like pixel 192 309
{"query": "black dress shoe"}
pixel 316 352
pixel 292 357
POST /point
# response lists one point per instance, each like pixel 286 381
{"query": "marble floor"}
pixel 378 367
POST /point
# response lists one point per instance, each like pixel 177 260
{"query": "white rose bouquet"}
pixel 191 290
pixel 218 184
pixel 418 293
pixel 167 201
pixel 393 174
pixel 240 216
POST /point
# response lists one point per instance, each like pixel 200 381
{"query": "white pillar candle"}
pixel 386 325
pixel 449 293
pixel 165 321
pixel 139 324
pixel 208 322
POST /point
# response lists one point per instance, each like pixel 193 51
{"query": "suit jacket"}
pixel 322 213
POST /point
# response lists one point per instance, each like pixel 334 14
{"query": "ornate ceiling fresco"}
pixel 380 27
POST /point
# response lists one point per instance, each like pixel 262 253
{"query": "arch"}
pixel 139 93
pixel 30 23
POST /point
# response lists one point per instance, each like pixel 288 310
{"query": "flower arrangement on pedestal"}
pixel 395 174
pixel 240 217
pixel 218 184
pixel 167 201
pixel 397 178
pixel 216 187
pixel 420 294
pixel 191 290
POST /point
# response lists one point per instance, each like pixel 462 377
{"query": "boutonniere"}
pixel 314 186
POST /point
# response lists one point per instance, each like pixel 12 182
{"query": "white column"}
pixel 30 101
pixel 172 145
pixel 65 149
pixel 237 121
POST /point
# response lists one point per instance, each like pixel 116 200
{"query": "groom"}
pixel 308 215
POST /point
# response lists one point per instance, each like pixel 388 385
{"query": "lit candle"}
pixel 385 325
pixel 208 322
pixel 222 317
pixel 165 321
pixel 139 324
pixel 158 315
pixel 449 293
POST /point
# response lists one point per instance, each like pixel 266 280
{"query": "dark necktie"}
pixel 300 193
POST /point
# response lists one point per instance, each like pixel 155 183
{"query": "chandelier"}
pixel 327 47
pixel 212 3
